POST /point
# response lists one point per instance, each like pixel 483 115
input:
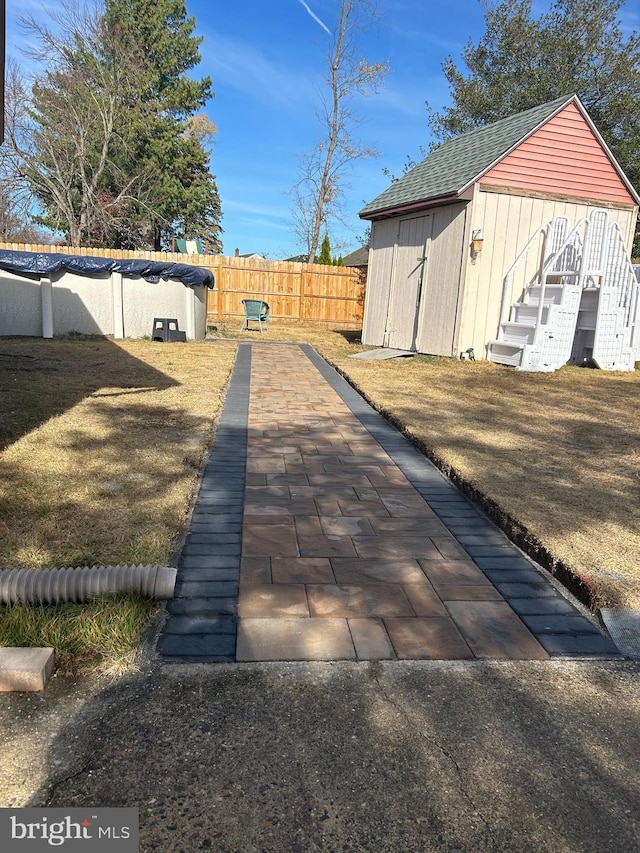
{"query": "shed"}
pixel 446 236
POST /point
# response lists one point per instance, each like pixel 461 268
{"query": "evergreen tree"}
pixel 167 138
pixel 325 251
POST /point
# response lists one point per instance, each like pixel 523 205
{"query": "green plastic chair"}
pixel 255 311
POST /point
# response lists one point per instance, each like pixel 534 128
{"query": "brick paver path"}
pixel 353 545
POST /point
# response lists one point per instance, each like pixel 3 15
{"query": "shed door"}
pixel 406 282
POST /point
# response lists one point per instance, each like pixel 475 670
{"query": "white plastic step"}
pixel 528 314
pixel 503 352
pixel 552 294
pixel 518 333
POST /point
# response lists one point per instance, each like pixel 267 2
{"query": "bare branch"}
pixel 317 197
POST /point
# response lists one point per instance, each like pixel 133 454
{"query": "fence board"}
pixel 294 291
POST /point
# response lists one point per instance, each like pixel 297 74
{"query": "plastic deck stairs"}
pixel 582 307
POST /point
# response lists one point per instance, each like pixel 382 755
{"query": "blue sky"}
pixel 267 64
pixel 266 60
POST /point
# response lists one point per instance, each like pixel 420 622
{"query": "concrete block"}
pixel 25 669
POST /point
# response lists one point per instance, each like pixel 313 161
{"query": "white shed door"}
pixel 406 282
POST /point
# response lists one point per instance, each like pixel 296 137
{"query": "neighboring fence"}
pixel 294 291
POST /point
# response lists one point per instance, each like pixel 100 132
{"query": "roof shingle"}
pixel 456 163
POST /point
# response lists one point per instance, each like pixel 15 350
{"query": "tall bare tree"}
pixel 317 195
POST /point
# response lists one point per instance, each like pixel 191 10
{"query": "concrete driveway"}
pixel 380 756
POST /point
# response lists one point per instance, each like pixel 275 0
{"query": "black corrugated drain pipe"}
pixel 55 586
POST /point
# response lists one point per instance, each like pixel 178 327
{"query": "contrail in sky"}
pixel 315 17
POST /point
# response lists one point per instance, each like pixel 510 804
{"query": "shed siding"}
pixel 441 282
pixel 563 156
pixel 507 222
pixel 383 243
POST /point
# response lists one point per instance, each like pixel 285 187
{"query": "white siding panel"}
pixel 376 303
pixel 20 305
pixel 82 304
pixel 144 301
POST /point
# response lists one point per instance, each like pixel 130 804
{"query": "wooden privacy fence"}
pixel 294 291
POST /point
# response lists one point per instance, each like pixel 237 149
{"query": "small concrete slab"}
pixel 25 669
pixel 380 354
pixel 624 627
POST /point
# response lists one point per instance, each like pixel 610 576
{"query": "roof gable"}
pixel 459 162
pixel 566 155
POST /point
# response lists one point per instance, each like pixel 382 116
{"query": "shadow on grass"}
pixel 351 336
pixel 126 504
pixel 40 379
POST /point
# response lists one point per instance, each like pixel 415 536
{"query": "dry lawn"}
pixel 558 454
pixel 101 443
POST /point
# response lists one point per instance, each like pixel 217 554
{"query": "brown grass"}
pixel 558 453
pixel 101 447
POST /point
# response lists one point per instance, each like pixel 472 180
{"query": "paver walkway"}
pixel 320 533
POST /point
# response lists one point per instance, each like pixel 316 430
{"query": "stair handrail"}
pixel 505 305
pixel 627 296
pixel 546 268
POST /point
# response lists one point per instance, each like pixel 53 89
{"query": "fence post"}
pixel 190 312
pixel 301 293
pixel 46 294
pixel 118 306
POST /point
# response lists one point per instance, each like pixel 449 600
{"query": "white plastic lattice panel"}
pixel 596 242
pixel 561 329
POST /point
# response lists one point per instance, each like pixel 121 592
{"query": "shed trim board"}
pixel 551 196
pixel 419 206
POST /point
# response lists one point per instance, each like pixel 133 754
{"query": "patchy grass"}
pixel 558 454
pixel 102 636
pixel 101 446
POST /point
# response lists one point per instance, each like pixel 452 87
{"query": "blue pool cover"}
pixel 45 263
